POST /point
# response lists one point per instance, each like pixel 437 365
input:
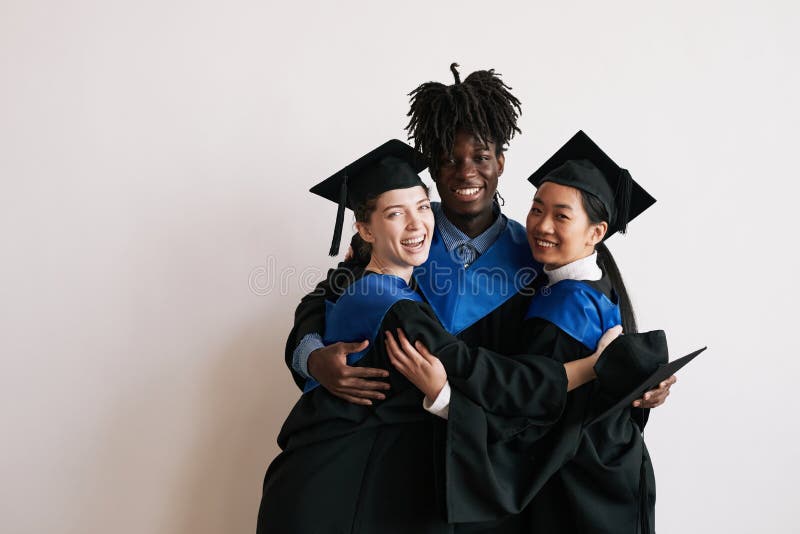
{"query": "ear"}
pixel 365 232
pixel 597 232
pixel 501 163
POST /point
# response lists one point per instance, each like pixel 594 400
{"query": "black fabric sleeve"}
pixel 513 386
pixel 543 337
pixel 309 317
pixel 513 457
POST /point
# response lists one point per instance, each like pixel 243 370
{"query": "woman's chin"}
pixel 539 257
pixel 417 258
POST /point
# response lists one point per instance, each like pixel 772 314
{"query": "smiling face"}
pixel 467 178
pixel 400 230
pixel 559 229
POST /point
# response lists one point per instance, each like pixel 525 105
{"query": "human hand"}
pixel 417 364
pixel 328 366
pixel 656 397
pixel 605 340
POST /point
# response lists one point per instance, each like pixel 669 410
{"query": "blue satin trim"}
pixel 462 296
pixel 578 309
pixel 359 312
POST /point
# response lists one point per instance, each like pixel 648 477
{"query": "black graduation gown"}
pixel 499 330
pixel 583 475
pixel 350 468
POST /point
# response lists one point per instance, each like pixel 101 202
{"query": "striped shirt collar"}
pixel 453 237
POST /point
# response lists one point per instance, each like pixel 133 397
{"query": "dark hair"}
pixel 363 210
pixel 482 105
pixel 597 213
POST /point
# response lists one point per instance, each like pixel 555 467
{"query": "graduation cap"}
pixel 631 365
pixel 581 164
pixel 393 165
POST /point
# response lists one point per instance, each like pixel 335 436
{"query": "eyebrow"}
pixel 401 206
pixel 562 206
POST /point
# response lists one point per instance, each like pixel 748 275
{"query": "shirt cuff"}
pixel 440 407
pixel 307 345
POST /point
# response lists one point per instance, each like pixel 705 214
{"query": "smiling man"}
pixel 479 275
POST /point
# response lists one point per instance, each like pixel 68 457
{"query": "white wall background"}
pixel 155 158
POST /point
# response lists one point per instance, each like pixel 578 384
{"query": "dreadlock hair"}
pixel 481 105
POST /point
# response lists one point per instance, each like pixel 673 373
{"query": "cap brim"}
pixel 581 146
pixel 330 188
pixel 662 373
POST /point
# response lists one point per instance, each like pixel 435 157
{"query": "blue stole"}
pixel 358 313
pixel 578 309
pixel 462 296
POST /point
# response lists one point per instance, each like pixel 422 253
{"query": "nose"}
pixel 466 168
pixel 544 225
pixel 414 220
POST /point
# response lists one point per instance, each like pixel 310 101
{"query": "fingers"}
pixel 391 345
pixel 368 372
pixel 654 400
pixel 409 349
pixel 361 384
pixel 404 343
pixel 352 399
pixel 356 346
pixel 424 352
pixel 608 336
pixel 396 356
pixel 668 382
pixel 656 397
pixel 364 391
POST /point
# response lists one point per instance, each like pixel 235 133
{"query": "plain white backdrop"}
pixel 156 231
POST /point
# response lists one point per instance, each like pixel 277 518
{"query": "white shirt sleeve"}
pixel 441 405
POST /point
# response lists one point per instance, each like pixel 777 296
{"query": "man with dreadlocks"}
pixel 480 273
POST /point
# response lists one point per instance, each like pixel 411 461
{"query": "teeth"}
pixel 545 244
pixel 468 191
pixel 413 241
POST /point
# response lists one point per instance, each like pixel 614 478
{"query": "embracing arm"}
pixel 521 385
pixel 502 409
pixel 309 320
pixel 306 356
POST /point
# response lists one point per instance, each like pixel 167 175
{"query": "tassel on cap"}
pixel 392 165
pixel 581 164
pixel 622 200
pixel 337 229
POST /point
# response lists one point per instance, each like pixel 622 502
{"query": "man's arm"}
pixel 306 356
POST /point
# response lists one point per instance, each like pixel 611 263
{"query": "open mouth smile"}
pixel 467 193
pixel 413 243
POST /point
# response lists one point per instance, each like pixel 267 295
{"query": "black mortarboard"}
pixel 581 164
pixel 631 365
pixel 393 165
